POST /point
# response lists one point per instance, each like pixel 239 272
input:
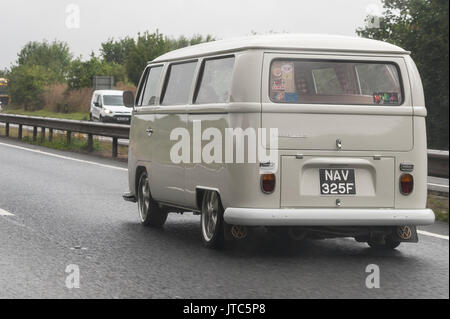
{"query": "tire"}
pixel 389 244
pixel 90 117
pixel 211 222
pixel 100 118
pixel 149 212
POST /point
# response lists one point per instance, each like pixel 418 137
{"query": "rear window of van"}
pixel 335 82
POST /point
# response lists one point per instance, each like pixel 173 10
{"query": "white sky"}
pixel 30 20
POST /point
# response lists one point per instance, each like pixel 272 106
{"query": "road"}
pixel 59 209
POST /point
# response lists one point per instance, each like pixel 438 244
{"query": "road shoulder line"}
pixel 63 157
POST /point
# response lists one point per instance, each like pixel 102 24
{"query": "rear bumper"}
pixel 328 217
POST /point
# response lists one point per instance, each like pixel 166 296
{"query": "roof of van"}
pixel 308 42
pixel 109 92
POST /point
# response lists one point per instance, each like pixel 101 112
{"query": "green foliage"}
pixel 53 57
pixel 422 27
pixel 26 85
pixel 149 46
pixel 81 72
pixel 116 51
pixel 4 73
pixel 42 64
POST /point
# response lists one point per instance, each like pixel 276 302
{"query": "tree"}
pixel 26 84
pixel 422 27
pixel 116 51
pixel 4 73
pixel 81 72
pixel 149 46
pixel 54 57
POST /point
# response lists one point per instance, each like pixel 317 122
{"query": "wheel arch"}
pixel 200 193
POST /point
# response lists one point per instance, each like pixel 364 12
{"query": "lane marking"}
pixel 5 213
pixel 425 233
pixel 64 157
pixel 439 185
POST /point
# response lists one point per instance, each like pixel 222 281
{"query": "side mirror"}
pixel 96 104
pixel 128 99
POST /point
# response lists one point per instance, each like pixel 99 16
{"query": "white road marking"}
pixel 440 185
pixel 63 157
pixel 5 213
pixel 425 233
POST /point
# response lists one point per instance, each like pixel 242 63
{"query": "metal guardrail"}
pixel 437 160
pixel 438 163
pixel 115 131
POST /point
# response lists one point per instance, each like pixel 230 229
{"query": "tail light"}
pixel 268 183
pixel 406 184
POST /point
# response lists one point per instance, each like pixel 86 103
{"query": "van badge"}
pixel 404 232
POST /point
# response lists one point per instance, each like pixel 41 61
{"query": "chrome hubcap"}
pixel 210 209
pixel 144 197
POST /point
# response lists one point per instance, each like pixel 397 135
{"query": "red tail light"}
pixel 268 183
pixel 406 184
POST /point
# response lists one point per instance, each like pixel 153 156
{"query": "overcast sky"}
pixel 30 20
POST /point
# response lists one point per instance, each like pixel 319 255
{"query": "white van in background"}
pixel 107 106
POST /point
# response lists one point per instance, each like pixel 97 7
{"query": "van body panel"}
pixel 356 131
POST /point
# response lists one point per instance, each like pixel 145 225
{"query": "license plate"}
pixel 122 119
pixel 337 181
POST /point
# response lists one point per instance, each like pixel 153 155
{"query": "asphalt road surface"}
pixel 59 209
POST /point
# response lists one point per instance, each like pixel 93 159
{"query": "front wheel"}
pixel 212 223
pixel 150 213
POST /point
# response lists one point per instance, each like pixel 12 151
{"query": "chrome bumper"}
pixel 328 217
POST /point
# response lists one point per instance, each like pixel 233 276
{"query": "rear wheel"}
pixel 150 213
pixel 212 223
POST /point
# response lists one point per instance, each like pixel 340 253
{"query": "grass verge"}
pixel 82 116
pixel 439 205
pixel 79 143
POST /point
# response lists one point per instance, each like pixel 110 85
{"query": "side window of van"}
pixel 179 83
pixel 149 91
pixel 335 82
pixel 99 100
pixel 215 81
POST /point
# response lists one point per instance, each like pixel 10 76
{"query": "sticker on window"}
pixel 385 98
pixel 278 85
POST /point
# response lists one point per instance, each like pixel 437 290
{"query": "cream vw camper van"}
pixel 308 135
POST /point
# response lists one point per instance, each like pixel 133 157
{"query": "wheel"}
pixel 388 244
pixel 150 213
pixel 90 117
pixel 100 118
pixel 212 223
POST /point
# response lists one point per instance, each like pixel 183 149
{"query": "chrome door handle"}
pixel 149 131
pixel 339 144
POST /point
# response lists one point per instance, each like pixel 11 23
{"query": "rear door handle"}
pixel 149 131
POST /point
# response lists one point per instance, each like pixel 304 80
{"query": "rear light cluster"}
pixel 406 184
pixel 268 183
